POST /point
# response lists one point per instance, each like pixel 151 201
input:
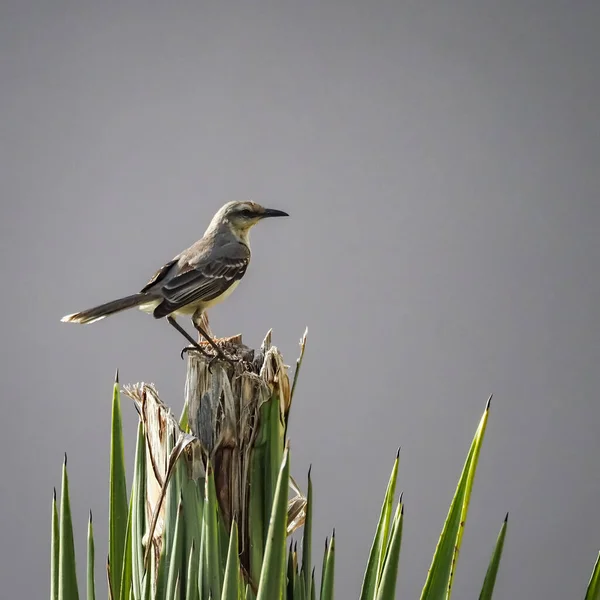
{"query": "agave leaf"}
pixel 172 497
pixel 126 565
pixel 256 518
pixel 441 572
pixel 307 538
pixel 160 569
pixel 386 589
pixel 147 585
pixel 118 511
pixel 272 573
pixel 55 545
pixel 299 588
pixel 111 595
pixel 138 501
pixel 202 577
pixel 191 590
pixel 327 584
pixel 91 589
pixel 290 573
pixel 324 566
pixel 376 556
pixel 212 564
pixel 176 555
pixel 492 571
pixel 184 442
pixel 274 428
pixel 593 590
pixel 67 571
pixel 232 567
pixel 192 511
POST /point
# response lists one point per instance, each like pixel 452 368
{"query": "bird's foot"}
pixel 194 349
pixel 213 357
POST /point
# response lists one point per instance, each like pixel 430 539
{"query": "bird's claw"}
pixel 220 356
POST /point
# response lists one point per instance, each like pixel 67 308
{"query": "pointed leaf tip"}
pixel 401 497
pixel 506 518
pixel 117 376
pixel 90 515
pixel 65 461
pixel 333 534
pixel 487 406
pixel 54 494
pixel 309 470
pixel 398 453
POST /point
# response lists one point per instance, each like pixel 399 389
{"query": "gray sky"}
pixel 440 161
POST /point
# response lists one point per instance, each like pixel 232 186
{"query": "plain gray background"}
pixel 440 161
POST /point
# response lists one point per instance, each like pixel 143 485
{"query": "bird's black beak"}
pixel 273 212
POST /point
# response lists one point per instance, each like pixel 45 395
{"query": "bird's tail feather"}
pixel 104 310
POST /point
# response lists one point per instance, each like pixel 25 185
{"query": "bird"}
pixel 196 279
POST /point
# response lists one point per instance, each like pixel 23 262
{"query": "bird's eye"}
pixel 246 214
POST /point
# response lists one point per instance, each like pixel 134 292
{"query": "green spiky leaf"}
pixel 492 570
pixel 55 549
pixel 307 537
pixel 212 565
pixel 327 584
pixel 118 506
pixel 91 588
pixel 377 554
pixel 175 556
pixel 443 566
pixel 272 573
pixel 593 590
pixel 232 568
pixel 386 589
pixel 67 570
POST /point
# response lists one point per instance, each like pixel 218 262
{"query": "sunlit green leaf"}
pixel 376 556
pixel 386 589
pixel 593 590
pixel 438 584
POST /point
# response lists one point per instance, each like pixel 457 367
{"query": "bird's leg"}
pixel 196 321
pixel 188 337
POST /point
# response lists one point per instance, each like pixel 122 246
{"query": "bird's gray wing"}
pixel 159 276
pixel 203 279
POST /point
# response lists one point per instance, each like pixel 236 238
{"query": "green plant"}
pixel 209 510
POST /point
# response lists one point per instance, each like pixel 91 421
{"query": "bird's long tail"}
pixel 109 308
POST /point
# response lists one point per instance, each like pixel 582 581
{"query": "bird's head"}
pixel 241 216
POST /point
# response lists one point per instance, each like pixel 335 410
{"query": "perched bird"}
pixel 197 278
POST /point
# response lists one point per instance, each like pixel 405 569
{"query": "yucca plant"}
pixel 212 501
